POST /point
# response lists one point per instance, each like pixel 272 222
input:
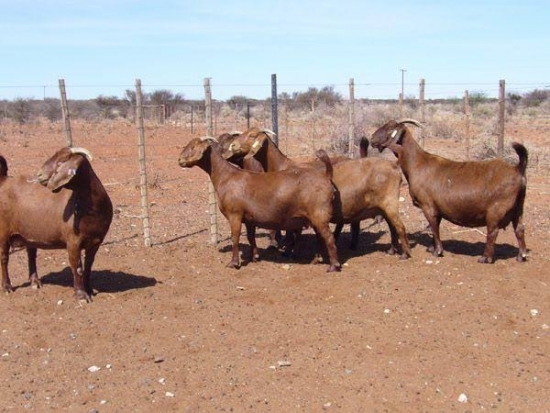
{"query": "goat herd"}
pixel 66 206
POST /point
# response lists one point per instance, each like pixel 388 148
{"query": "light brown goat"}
pixel 472 194
pixel 366 187
pixel 65 206
pixel 280 200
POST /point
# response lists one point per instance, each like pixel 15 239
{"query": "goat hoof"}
pixel 486 260
pixel 82 295
pixel 521 258
pixel 404 256
pixel 8 289
pixel 233 265
pixel 334 268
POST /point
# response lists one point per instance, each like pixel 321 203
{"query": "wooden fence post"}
pixel 422 112
pixel 501 114
pixel 467 113
pixel 351 119
pixel 142 166
pixel 274 110
pixel 212 201
pixel 65 112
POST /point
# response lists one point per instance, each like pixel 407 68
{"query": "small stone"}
pixel 463 398
pixel 159 359
pixel 170 394
pixel 286 267
pixel 94 369
pixel 284 363
pixel 60 302
pixel 534 312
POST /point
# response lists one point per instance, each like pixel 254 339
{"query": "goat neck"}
pixel 272 159
pixel 408 152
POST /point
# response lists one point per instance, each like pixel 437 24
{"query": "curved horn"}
pixel 209 138
pixel 82 151
pixel 269 132
pixel 411 121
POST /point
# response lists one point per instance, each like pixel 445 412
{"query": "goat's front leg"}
pixel 78 274
pixel 5 257
pixel 435 220
pixel 33 274
pixel 88 262
pixel 235 224
pixel 251 236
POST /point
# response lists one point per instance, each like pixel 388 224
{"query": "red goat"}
pixel 66 206
pixel 280 200
pixel 366 187
pixel 478 193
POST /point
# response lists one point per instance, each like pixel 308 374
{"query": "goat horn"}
pixel 209 138
pixel 83 151
pixel 411 121
pixel 269 132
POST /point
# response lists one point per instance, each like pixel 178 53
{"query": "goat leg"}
pixel 437 248
pixel 324 232
pixel 251 236
pixel 88 262
pixel 5 256
pixel 398 234
pixel 488 254
pixel 78 274
pixel 33 274
pixel 235 235
pixel 519 230
pixel 355 230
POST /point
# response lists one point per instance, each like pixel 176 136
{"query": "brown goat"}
pixel 65 206
pixel 251 164
pixel 366 187
pixel 281 200
pixel 471 194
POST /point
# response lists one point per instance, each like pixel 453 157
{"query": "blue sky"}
pixel 100 47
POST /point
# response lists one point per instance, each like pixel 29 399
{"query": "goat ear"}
pixel 256 146
pixel 64 173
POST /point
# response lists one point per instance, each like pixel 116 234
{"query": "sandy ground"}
pixel 171 328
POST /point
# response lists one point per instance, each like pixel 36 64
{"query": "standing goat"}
pixel 65 206
pixel 280 200
pixel 366 187
pixel 470 194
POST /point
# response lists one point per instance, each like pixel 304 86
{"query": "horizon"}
pixel 101 48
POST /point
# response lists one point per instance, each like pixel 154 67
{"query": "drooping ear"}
pixel 64 173
pixel 256 146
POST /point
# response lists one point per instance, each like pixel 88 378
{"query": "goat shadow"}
pixel 460 247
pixel 102 281
pixel 306 248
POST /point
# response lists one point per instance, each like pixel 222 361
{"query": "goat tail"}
pixel 323 156
pixel 523 156
pixel 3 167
pixel 364 147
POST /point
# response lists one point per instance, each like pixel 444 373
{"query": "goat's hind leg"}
pixel 33 274
pixel 519 230
pixel 4 258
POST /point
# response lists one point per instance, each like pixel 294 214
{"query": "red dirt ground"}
pixel 171 328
